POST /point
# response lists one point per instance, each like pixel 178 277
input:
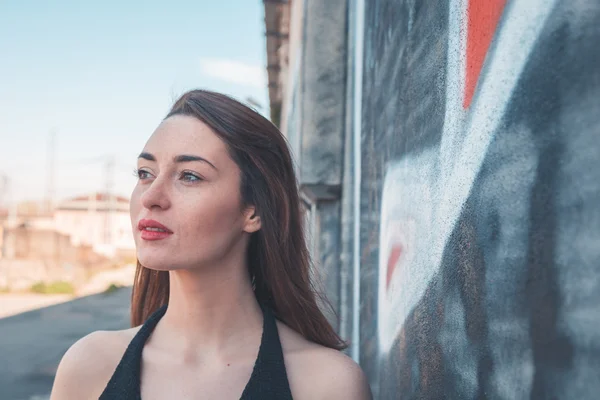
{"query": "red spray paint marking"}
pixel 483 17
pixel 395 254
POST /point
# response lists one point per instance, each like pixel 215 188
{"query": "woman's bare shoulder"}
pixel 88 364
pixel 319 372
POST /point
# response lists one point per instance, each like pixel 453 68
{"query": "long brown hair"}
pixel 278 259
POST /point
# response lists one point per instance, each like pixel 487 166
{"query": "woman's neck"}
pixel 211 312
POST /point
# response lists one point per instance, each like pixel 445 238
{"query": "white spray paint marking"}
pixel 517 34
pixel 407 224
pixel 455 83
pixel 516 38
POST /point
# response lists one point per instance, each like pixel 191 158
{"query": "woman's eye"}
pixel 141 174
pixel 189 177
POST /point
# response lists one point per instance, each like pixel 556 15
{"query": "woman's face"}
pixel 186 209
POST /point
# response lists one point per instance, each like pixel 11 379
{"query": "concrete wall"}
pixel 33 255
pixel 481 190
pixel 89 228
pixel 455 216
pixel 317 77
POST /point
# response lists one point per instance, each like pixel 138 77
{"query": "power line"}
pixel 59 175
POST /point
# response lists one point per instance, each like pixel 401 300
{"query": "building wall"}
pixel 478 144
pixel 33 255
pixel 290 114
pixel 98 221
pixel 481 176
pixel 317 75
pixel 90 228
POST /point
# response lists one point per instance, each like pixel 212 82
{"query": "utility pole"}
pixel 8 242
pixel 12 205
pixel 50 188
pixel 109 199
pixel 94 227
pixel 3 189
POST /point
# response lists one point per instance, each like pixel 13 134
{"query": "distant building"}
pixel 99 221
pixel 3 216
pixel 81 234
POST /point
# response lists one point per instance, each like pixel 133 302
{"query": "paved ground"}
pixel 17 303
pixel 32 343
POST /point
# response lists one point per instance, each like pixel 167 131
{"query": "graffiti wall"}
pixel 481 199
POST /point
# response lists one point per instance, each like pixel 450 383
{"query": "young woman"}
pixel 222 305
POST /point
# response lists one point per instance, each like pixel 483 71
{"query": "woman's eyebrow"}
pixel 178 159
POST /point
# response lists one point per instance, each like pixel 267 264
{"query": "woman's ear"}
pixel 251 220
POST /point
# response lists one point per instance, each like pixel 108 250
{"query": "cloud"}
pixel 235 72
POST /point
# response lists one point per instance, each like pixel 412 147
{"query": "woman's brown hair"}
pixel 278 258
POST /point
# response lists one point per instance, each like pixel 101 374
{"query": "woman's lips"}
pixel 153 230
pixel 154 235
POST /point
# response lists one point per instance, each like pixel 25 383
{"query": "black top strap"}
pixel 268 380
pixel 125 381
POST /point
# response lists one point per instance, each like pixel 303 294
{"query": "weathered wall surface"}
pixel 313 121
pixel 458 214
pixel 481 199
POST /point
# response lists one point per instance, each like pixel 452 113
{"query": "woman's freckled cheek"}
pixel 208 212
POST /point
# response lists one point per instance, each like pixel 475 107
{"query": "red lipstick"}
pixel 153 230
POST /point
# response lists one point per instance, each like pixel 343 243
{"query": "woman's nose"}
pixel 156 196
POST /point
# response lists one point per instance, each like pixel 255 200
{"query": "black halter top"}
pixel 268 380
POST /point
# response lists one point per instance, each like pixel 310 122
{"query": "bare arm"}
pixel 326 374
pixel 347 381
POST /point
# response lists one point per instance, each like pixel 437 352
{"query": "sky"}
pixel 100 76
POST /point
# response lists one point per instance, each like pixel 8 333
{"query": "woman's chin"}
pixel 155 263
pixel 157 267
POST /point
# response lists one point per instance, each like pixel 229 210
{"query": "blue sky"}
pixel 103 74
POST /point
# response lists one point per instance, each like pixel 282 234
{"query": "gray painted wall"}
pixel 482 214
pixel 479 191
